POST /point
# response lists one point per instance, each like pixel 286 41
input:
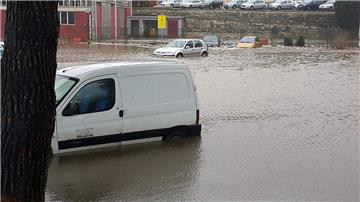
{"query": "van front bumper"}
pixel 195 130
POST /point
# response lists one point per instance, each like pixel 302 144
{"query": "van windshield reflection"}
pixel 63 85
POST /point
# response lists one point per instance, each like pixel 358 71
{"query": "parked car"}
pixel 183 47
pixel 191 4
pixel 212 40
pixel 177 3
pixel 102 105
pixel 234 4
pixel 328 6
pixel 212 4
pixel 167 3
pixel 311 4
pixel 253 4
pixel 249 42
pixel 283 4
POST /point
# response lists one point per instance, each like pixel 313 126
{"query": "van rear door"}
pixel 91 114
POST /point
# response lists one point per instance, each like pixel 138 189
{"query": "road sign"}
pixel 161 21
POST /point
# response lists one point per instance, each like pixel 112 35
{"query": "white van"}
pixel 102 105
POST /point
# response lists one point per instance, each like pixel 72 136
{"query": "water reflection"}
pixel 131 172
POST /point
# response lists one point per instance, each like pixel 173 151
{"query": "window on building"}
pixel 66 18
pixel 71 18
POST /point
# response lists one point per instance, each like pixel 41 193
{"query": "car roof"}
pixel 91 70
pixel 186 39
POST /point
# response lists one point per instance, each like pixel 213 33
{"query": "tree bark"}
pixel 28 70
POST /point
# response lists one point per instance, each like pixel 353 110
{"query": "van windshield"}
pixel 63 85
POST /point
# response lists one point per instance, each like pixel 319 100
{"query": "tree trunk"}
pixel 28 112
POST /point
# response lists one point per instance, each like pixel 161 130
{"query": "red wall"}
pixel 98 21
pixel 2 24
pixel 79 31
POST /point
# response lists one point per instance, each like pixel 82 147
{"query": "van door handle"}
pixel 121 113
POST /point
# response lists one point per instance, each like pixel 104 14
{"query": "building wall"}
pixel 98 21
pixel 232 24
pixel 2 24
pixel 79 31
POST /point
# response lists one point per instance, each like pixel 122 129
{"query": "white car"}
pixel 283 4
pixel 102 105
pixel 253 4
pixel 167 3
pixel 183 47
pixel 328 6
pixel 191 4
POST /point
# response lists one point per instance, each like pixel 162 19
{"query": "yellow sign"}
pixel 161 21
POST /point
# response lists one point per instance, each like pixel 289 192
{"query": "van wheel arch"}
pixel 178 132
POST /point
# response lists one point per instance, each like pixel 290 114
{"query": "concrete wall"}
pixel 232 24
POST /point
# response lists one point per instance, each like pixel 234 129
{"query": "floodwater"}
pixel 278 124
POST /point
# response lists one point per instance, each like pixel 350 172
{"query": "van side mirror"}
pixel 187 47
pixel 71 109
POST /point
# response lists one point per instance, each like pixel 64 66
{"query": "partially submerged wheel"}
pixel 179 55
pixel 204 54
pixel 176 134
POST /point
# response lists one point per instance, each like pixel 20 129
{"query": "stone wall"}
pixel 232 24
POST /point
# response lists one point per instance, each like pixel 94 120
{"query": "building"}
pixel 146 27
pixel 84 20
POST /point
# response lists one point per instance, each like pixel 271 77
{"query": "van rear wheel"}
pixel 179 133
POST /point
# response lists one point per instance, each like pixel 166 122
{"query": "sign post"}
pixel 161 25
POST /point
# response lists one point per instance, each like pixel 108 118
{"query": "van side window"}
pixel 156 89
pixel 198 44
pixel 96 96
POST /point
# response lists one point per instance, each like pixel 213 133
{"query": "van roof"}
pixel 93 69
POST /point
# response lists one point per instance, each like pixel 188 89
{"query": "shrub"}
pixel 300 41
pixel 288 41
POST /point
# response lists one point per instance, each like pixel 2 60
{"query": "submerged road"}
pixel 278 124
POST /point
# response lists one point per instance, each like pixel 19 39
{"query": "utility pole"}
pixel 116 26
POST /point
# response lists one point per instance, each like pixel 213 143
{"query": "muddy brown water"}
pixel 278 124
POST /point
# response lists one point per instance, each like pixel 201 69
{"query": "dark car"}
pixel 212 40
pixel 311 4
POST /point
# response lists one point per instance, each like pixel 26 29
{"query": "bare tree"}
pixel 28 112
